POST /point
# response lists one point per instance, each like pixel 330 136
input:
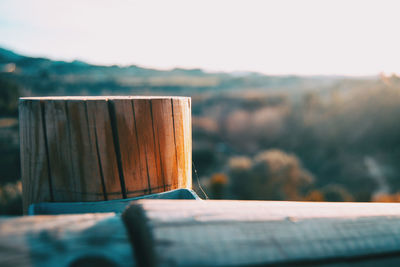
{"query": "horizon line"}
pixel 237 72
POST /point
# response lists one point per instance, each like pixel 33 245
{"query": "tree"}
pixel 9 93
pixel 273 174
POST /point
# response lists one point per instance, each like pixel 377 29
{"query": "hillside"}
pixel 41 76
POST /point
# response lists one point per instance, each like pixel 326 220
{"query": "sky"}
pixel 304 37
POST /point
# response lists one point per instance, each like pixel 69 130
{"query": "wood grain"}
pixel 135 173
pixel 145 132
pixel 183 140
pixel 35 172
pixel 103 148
pixel 264 233
pixel 164 134
pixel 100 122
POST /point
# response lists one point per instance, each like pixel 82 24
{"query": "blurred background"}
pixel 291 100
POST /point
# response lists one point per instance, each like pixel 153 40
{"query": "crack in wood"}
pixel 114 130
pixel 46 145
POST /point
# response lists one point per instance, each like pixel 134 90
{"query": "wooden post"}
pixel 102 148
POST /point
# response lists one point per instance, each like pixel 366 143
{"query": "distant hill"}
pixel 41 76
pixel 8 56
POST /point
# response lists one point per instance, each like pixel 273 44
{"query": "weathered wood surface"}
pixel 102 148
pixel 117 205
pixel 35 167
pixel 67 240
pixel 209 233
pixel 255 233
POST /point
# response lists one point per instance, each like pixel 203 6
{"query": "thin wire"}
pixel 198 180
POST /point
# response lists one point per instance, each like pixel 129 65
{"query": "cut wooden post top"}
pixel 92 148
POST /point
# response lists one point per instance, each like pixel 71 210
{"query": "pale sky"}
pixel 273 37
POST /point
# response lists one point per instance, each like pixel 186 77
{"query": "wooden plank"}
pixel 164 134
pixel 148 152
pixel 183 142
pixel 188 140
pixel 88 181
pixel 59 143
pixel 135 172
pixel 255 233
pixel 36 180
pixel 70 144
pixel 67 240
pixel 100 123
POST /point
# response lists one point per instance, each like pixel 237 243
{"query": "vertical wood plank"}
pixel 63 169
pixel 100 122
pixel 34 161
pixel 182 142
pixel 187 121
pixel 164 134
pixel 144 126
pixel 135 173
pixel 70 144
pixel 88 181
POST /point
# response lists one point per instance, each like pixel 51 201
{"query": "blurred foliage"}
pixel 336 193
pixel 271 174
pixel 254 136
pixel 388 197
pixel 11 198
pixel 335 134
pixel 9 93
pixel 218 185
pixel 314 195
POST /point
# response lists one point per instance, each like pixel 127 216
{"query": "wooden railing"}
pixel 209 233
